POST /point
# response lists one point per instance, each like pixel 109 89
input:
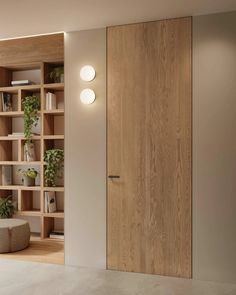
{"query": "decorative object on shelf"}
pixel 87 96
pixel 57 75
pixel 28 176
pixel 54 159
pixel 6 175
pixel 87 73
pixel 29 152
pixel 6 102
pixel 51 101
pixel 7 207
pixel 31 106
pixel 50 205
pixel 21 82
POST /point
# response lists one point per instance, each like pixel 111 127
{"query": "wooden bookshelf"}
pixel 30 200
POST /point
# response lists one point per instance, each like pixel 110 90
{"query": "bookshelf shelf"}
pixel 12 114
pixel 54 112
pixel 29 213
pixel 54 86
pixel 54 189
pixel 21 163
pixel 55 214
pixel 54 137
pixel 15 89
pixel 20 187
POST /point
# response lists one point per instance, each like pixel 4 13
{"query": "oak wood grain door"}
pixel 149 147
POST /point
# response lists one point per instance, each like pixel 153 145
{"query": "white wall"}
pixel 85 152
pixel 214 147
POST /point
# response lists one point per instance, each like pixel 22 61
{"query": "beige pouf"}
pixel 14 235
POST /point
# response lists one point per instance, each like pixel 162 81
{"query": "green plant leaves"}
pixel 7 208
pixel 54 159
pixel 30 172
pixel 31 105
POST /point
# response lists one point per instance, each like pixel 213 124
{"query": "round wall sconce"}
pixel 87 96
pixel 87 73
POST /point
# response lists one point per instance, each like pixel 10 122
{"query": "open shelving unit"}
pixel 50 134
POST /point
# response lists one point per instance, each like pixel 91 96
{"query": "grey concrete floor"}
pixel 28 278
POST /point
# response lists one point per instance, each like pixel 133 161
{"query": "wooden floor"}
pixel 45 251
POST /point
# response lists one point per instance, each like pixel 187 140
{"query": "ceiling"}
pixel 29 17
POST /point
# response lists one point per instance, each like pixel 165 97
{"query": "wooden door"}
pixel 149 147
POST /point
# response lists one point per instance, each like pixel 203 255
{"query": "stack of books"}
pixel 57 235
pixel 21 82
pixel 16 134
pixel 51 101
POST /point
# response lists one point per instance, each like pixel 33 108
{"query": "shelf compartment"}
pixel 8 151
pixel 29 203
pixel 53 124
pixel 24 72
pixel 59 93
pixel 37 147
pixel 59 196
pixel 30 92
pixel 48 67
pixel 52 224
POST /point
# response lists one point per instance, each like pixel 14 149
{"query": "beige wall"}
pixel 214 147
pixel 85 152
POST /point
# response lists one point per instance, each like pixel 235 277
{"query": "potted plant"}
pixel 54 159
pixel 31 106
pixel 28 176
pixel 57 75
pixel 7 207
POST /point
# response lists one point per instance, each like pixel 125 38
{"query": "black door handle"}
pixel 113 176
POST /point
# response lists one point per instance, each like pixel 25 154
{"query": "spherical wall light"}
pixel 87 96
pixel 87 73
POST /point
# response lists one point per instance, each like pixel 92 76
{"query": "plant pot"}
pixel 28 181
pixel 29 152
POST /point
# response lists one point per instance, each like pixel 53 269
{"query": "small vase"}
pixel 62 78
pixel 29 152
pixel 28 181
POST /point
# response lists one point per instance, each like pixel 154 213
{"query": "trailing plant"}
pixel 30 172
pixel 7 207
pixel 56 73
pixel 54 159
pixel 31 105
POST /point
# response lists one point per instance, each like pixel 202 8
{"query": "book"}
pixel 50 202
pixel 6 102
pixel 21 82
pixel 16 134
pixel 51 101
pixel 57 235
pixel 7 175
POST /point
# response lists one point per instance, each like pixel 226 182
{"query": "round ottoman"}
pixel 14 235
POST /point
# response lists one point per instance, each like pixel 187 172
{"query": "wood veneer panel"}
pixel 32 50
pixel 149 146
